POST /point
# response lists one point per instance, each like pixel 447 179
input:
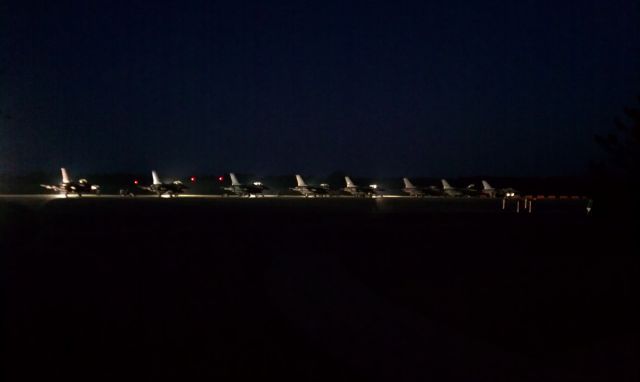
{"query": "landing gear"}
pixel 126 193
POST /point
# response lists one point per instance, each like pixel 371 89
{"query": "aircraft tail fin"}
pixel 486 185
pixel 234 180
pixel 349 182
pixel 300 181
pixel 156 178
pixel 65 175
pixel 407 183
pixel 446 185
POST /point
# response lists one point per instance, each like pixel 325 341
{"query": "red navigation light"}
pixel 221 178
pixel 135 181
pixel 193 179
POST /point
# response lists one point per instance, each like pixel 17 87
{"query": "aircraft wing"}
pixel 52 187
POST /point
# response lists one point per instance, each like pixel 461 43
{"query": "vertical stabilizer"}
pixel 65 176
pixel 407 183
pixel 349 182
pixel 301 182
pixel 486 186
pixel 156 179
pixel 446 185
pixel 234 180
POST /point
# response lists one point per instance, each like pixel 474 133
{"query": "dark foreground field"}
pixel 297 289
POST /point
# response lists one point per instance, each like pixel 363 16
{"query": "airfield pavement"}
pixel 315 289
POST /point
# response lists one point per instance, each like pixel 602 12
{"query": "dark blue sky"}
pixel 374 88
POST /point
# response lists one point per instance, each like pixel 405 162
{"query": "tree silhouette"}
pixel 616 180
pixel 623 145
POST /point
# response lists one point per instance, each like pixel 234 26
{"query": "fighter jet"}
pixel 172 189
pixel 497 192
pixel 420 192
pixel 69 186
pixel 470 190
pixel 307 190
pixel 364 191
pixel 256 188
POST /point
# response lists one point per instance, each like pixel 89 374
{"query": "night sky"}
pixel 442 88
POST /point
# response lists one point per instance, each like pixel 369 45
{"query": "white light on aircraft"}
pixel 374 186
pixel 94 187
pixel 257 184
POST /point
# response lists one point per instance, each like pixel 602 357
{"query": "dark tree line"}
pixel 622 145
pixel 617 179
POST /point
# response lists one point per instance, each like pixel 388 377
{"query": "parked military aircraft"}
pixel 498 192
pixel 364 191
pixel 448 190
pixel 158 187
pixel 307 190
pixel 256 188
pixel 420 192
pixel 69 186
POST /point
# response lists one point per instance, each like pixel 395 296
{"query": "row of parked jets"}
pixel 174 188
